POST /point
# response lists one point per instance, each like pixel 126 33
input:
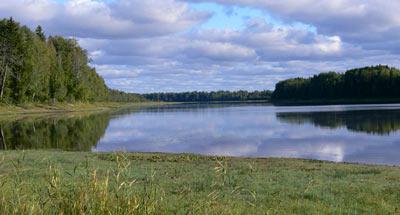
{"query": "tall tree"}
pixel 11 52
pixel 39 32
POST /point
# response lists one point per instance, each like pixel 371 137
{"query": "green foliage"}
pixel 119 96
pixel 39 32
pixel 209 96
pixel 13 54
pixel 78 81
pixel 36 69
pixel 363 83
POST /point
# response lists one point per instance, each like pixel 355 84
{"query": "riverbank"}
pixel 32 108
pixel 38 182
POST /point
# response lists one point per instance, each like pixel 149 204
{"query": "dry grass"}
pixel 33 108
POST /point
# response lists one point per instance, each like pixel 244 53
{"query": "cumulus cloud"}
pixel 360 21
pixel 151 45
pixel 252 44
pixel 35 10
pixel 98 19
pixel 278 43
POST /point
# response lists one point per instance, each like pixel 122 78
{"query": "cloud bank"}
pixel 148 46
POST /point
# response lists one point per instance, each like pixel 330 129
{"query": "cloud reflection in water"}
pixel 367 134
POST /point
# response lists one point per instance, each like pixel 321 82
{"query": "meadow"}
pixel 55 182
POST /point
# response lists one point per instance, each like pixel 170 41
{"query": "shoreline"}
pixel 145 154
pixel 38 108
pixel 31 108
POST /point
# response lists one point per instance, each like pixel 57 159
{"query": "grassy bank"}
pixel 335 101
pixel 32 108
pixel 37 182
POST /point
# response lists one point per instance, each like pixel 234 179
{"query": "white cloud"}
pixel 97 19
pixel 160 45
pixel 361 21
pixel 37 10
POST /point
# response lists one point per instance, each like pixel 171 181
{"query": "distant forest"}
pixel 34 68
pixel 376 82
pixel 210 96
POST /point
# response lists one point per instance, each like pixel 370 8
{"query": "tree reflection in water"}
pixel 377 122
pixel 67 132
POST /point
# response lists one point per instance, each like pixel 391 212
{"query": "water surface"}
pixel 341 133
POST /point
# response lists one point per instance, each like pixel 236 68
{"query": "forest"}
pixel 210 96
pixel 36 68
pixel 375 82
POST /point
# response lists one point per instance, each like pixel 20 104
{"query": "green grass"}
pixel 52 182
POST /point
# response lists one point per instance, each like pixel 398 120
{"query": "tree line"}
pixel 375 82
pixel 34 68
pixel 209 96
pixel 120 96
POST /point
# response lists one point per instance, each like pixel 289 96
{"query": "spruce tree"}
pixel 39 33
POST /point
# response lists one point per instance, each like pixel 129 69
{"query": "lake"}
pixel 340 133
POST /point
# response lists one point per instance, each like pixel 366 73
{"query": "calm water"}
pixel 351 133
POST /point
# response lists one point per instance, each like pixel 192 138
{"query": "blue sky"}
pixel 235 17
pixel 184 45
pixel 231 17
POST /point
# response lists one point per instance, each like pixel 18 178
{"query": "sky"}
pixel 204 45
